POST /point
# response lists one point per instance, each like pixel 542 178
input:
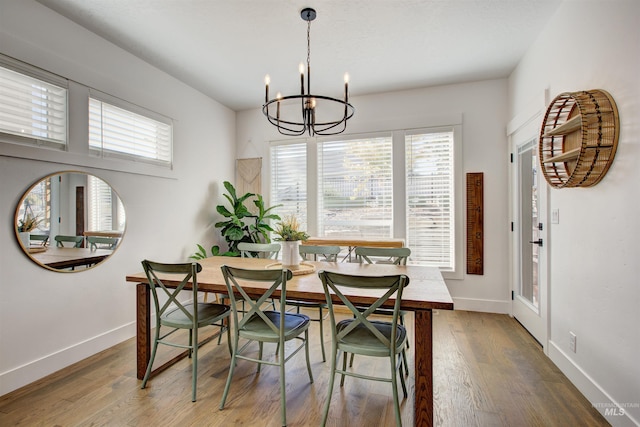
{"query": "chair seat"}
pixel 207 313
pixel 362 341
pixel 257 329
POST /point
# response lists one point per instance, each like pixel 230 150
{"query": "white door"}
pixel 529 264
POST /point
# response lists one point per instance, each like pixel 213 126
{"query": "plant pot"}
pixel 290 253
pixel 25 239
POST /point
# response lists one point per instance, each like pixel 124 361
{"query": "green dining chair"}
pixel 42 239
pixel 172 314
pixel 100 242
pixel 255 250
pixel 259 250
pixel 75 240
pixel 395 256
pixel 316 253
pixel 363 336
pixel 257 325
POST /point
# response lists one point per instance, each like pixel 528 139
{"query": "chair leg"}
pixel 394 383
pixel 402 382
pixel 325 413
pixel 260 345
pixel 283 384
pixel 320 320
pixel 228 335
pixel 230 376
pixel 344 366
pixel 306 350
pixel 404 362
pixel 402 323
pixel 153 356
pixel 190 342
pixel 194 363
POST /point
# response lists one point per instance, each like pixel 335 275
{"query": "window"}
pixel 355 188
pixel 430 198
pixel 32 109
pixel 289 180
pixel 352 190
pixel 114 131
pixel 105 209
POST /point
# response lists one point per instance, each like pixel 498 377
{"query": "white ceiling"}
pixel 224 48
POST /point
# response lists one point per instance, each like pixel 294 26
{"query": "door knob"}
pixel 537 242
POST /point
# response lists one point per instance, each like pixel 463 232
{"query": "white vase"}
pixel 290 253
pixel 25 238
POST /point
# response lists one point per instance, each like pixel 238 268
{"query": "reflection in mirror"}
pixel 70 221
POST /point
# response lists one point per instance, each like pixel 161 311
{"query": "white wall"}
pixel 594 251
pixel 49 320
pixel 483 108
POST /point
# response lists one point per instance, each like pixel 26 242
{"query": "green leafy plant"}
pixel 240 224
pixel 289 230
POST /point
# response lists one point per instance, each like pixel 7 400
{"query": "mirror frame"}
pixel 30 254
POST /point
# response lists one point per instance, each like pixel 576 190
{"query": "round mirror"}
pixel 69 221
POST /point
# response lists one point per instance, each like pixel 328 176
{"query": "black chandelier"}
pixel 309 104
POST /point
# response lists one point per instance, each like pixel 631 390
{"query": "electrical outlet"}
pixel 555 216
pixel 572 341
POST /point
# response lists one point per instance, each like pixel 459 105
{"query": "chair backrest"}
pixel 76 240
pixel 238 280
pixel 42 238
pixel 334 283
pixel 185 273
pixel 259 250
pixel 397 256
pixel 101 242
pixel 326 253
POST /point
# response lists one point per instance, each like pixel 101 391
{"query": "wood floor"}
pixel 488 372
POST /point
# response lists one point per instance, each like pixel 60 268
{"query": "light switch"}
pixel 555 216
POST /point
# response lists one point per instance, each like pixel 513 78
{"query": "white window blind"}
pixel 355 188
pixel 104 207
pixel 289 180
pixel 100 206
pixel 114 131
pixel 430 198
pixel 32 109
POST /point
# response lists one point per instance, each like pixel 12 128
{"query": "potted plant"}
pixel 290 236
pixel 240 224
pixel 25 226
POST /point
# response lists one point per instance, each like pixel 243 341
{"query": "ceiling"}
pixel 224 48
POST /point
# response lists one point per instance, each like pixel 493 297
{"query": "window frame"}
pixel 44 77
pixel 399 227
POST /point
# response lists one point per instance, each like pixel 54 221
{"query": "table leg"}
pixel 143 328
pixel 423 403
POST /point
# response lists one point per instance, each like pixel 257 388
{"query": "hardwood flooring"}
pixel 488 371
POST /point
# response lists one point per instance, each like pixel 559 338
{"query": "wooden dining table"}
pixel 426 291
pixel 60 258
pixel 352 243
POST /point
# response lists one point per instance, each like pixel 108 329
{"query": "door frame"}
pixel 520 132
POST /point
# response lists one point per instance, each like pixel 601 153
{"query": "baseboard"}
pixel 614 412
pixel 482 305
pixel 18 377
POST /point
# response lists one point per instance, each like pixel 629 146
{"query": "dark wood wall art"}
pixel 475 223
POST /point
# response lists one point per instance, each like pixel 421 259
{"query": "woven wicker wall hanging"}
pixel 578 139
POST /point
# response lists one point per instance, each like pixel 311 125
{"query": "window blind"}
pixel 355 188
pixel 430 199
pixel 118 132
pixel 32 109
pixel 289 180
pixel 100 205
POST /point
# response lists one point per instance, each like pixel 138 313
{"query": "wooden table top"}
pixel 56 257
pixel 352 242
pixel 426 289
